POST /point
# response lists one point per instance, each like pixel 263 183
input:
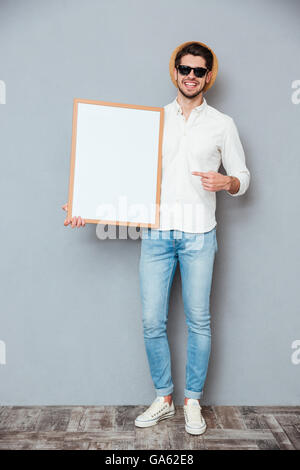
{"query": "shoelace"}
pixel 152 410
pixel 193 412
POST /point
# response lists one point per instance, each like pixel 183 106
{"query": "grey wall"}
pixel 70 307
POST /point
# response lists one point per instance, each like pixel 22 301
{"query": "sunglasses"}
pixel 186 69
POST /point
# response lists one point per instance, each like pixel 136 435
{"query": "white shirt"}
pixel 201 143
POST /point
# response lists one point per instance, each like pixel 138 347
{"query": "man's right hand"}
pixel 75 221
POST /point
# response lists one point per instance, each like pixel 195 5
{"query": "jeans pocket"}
pixel 194 242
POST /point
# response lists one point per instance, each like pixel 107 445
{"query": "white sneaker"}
pixel 160 409
pixel 194 421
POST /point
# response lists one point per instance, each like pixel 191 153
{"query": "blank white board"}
pixel 115 173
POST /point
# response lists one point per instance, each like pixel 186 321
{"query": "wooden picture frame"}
pixel 115 145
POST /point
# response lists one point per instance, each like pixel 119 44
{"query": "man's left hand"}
pixel 213 181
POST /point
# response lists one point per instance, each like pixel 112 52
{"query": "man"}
pixel 197 139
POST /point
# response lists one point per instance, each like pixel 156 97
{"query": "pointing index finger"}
pixel 200 173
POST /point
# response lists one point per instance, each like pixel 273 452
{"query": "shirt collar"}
pixel 198 109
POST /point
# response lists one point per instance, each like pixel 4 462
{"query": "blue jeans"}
pixel 160 251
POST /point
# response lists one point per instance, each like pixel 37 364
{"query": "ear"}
pixel 175 74
pixel 208 76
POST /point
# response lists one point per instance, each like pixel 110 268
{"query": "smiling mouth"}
pixel 190 85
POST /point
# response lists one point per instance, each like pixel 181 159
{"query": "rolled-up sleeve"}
pixel 233 157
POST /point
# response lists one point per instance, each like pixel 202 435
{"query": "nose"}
pixel 191 74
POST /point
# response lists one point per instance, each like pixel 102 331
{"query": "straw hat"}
pixel 214 68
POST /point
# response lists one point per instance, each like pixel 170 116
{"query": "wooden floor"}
pixel 112 428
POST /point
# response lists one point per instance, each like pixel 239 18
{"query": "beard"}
pixel 190 96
